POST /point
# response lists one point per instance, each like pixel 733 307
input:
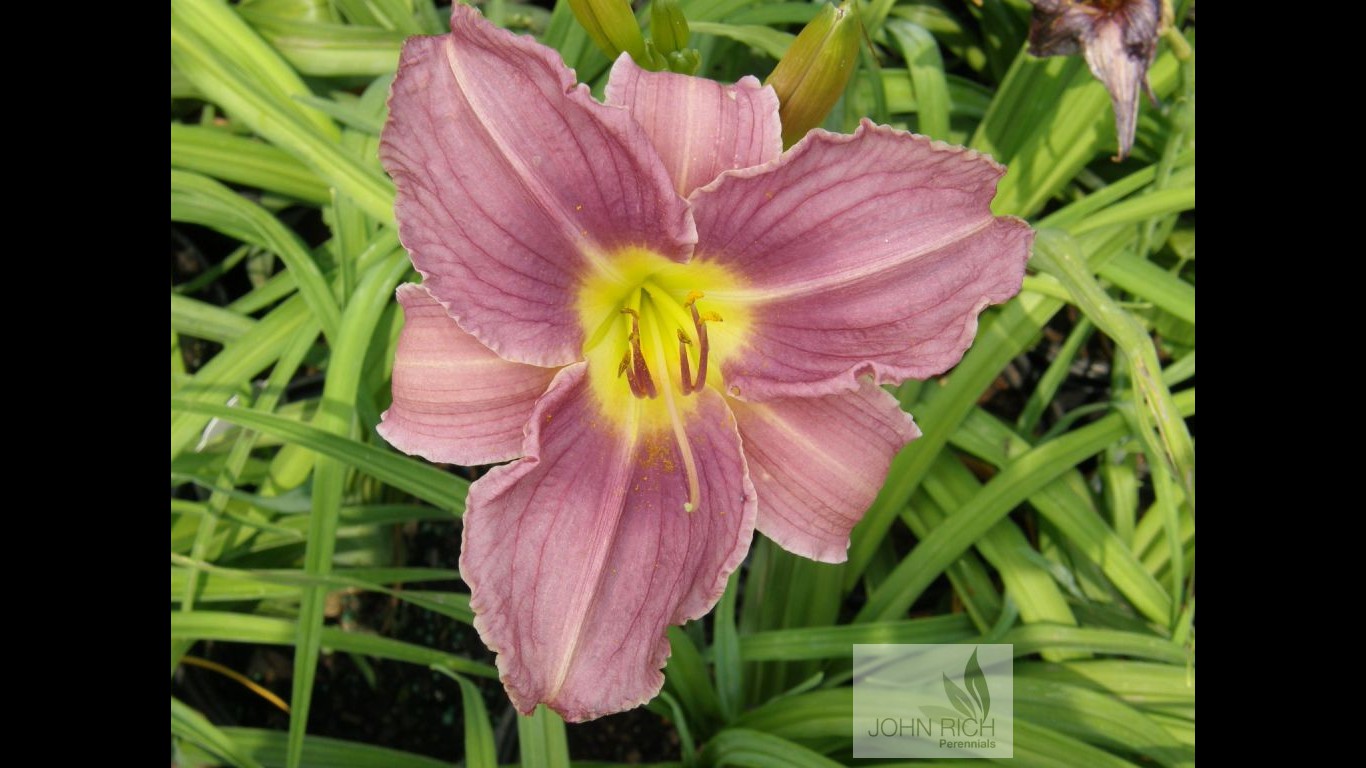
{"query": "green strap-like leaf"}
pixel 267 630
pixel 320 752
pixel 926 69
pixel 201 200
pixel 336 415
pixel 541 737
pixel 744 747
pixel 480 751
pixel 188 724
pixel 416 477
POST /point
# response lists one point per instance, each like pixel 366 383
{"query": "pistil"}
pixel 679 430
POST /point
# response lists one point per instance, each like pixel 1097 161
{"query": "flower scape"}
pixel 673 330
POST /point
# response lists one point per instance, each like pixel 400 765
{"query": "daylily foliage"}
pixel 676 329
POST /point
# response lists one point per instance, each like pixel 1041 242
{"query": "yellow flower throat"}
pixel 656 333
pixel 633 363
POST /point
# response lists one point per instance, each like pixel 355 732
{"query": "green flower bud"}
pixel 684 62
pixel 668 27
pixel 814 71
pixel 613 27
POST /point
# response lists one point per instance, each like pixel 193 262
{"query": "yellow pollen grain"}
pixel 659 454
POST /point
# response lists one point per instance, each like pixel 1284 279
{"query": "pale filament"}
pixel 680 432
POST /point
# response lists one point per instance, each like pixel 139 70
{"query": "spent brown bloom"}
pixel 1118 38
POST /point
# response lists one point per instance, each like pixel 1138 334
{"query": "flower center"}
pixel 659 307
pixel 656 333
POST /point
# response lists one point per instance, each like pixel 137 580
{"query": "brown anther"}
pixel 638 374
pixel 684 367
pixel 699 322
pixel 631 375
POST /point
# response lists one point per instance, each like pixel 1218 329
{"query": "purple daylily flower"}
pixel 677 330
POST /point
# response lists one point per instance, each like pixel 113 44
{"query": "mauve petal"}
pixel 580 555
pixel 455 401
pixel 512 182
pixel 870 253
pixel 817 463
pixel 699 127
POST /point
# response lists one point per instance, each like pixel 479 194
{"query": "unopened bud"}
pixel 813 73
pixel 612 26
pixel 668 27
pixel 684 62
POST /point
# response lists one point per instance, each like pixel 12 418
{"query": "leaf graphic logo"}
pixel 975 703
pixel 923 701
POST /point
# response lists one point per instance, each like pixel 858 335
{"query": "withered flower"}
pixel 1118 39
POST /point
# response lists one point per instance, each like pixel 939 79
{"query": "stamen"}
pixel 631 375
pixel 683 366
pixel 642 384
pixel 625 367
pixel 700 323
